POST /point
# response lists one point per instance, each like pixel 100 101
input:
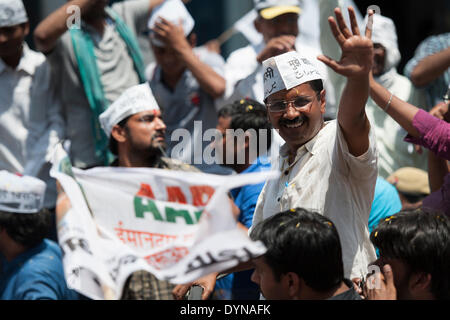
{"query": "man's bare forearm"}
pixel 431 68
pixel 208 79
pixel 55 25
pixel 352 116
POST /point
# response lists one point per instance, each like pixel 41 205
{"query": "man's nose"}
pixel 160 124
pixel 291 112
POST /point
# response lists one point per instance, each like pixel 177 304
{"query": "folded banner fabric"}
pixel 177 225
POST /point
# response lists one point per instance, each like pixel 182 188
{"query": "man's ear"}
pixel 119 133
pixel 26 27
pixel 323 101
pixel 420 281
pixel 294 284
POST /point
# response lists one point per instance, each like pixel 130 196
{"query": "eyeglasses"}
pixel 299 103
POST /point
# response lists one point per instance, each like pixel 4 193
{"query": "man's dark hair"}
pixel 422 241
pixel 317 86
pixel 303 242
pixel 248 114
pixel 28 229
pixel 112 142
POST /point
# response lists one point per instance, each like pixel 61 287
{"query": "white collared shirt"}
pixel 326 178
pixel 30 118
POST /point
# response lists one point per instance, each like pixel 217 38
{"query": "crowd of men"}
pixel 362 150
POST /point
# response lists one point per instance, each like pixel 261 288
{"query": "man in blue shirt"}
pixel 30 266
pixel 245 154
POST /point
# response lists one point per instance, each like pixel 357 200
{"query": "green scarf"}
pixel 83 47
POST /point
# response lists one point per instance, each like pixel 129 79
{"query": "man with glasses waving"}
pixel 329 167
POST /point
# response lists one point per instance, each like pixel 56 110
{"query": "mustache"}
pixel 158 134
pixel 297 120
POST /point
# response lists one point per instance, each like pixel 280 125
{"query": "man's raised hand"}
pixel 357 50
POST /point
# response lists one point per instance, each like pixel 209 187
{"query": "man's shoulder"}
pixel 44 261
pixel 47 252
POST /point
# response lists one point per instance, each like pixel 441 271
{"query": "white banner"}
pixel 176 225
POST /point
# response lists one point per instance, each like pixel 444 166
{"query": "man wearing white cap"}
pixel 329 167
pixel 136 131
pixel 394 153
pixel 136 134
pixel 277 22
pixel 94 55
pixel 185 81
pixel 30 266
pixel 30 114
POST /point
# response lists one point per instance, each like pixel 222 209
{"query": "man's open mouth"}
pixel 295 123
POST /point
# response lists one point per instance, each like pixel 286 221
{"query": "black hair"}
pixel 303 242
pixel 422 241
pixel 27 229
pixel 113 142
pixel 317 86
pixel 248 114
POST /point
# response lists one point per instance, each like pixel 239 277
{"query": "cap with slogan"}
pixel 286 71
pixel 12 13
pixel 21 194
pixel 269 9
pixel 410 180
pixel 133 100
pixel 173 11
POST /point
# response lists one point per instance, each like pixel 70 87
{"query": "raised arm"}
pixel 173 36
pixel 355 64
pixel 54 26
pixel 430 68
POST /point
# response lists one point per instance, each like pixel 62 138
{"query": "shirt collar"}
pixel 26 63
pixel 307 147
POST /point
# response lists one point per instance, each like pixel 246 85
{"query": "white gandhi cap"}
pixel 173 11
pixel 21 194
pixel 286 71
pixel 133 100
pixel 12 13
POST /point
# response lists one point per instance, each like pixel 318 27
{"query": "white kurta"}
pixel 327 179
pixel 30 119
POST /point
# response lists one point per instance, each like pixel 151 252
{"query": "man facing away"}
pixel 303 260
